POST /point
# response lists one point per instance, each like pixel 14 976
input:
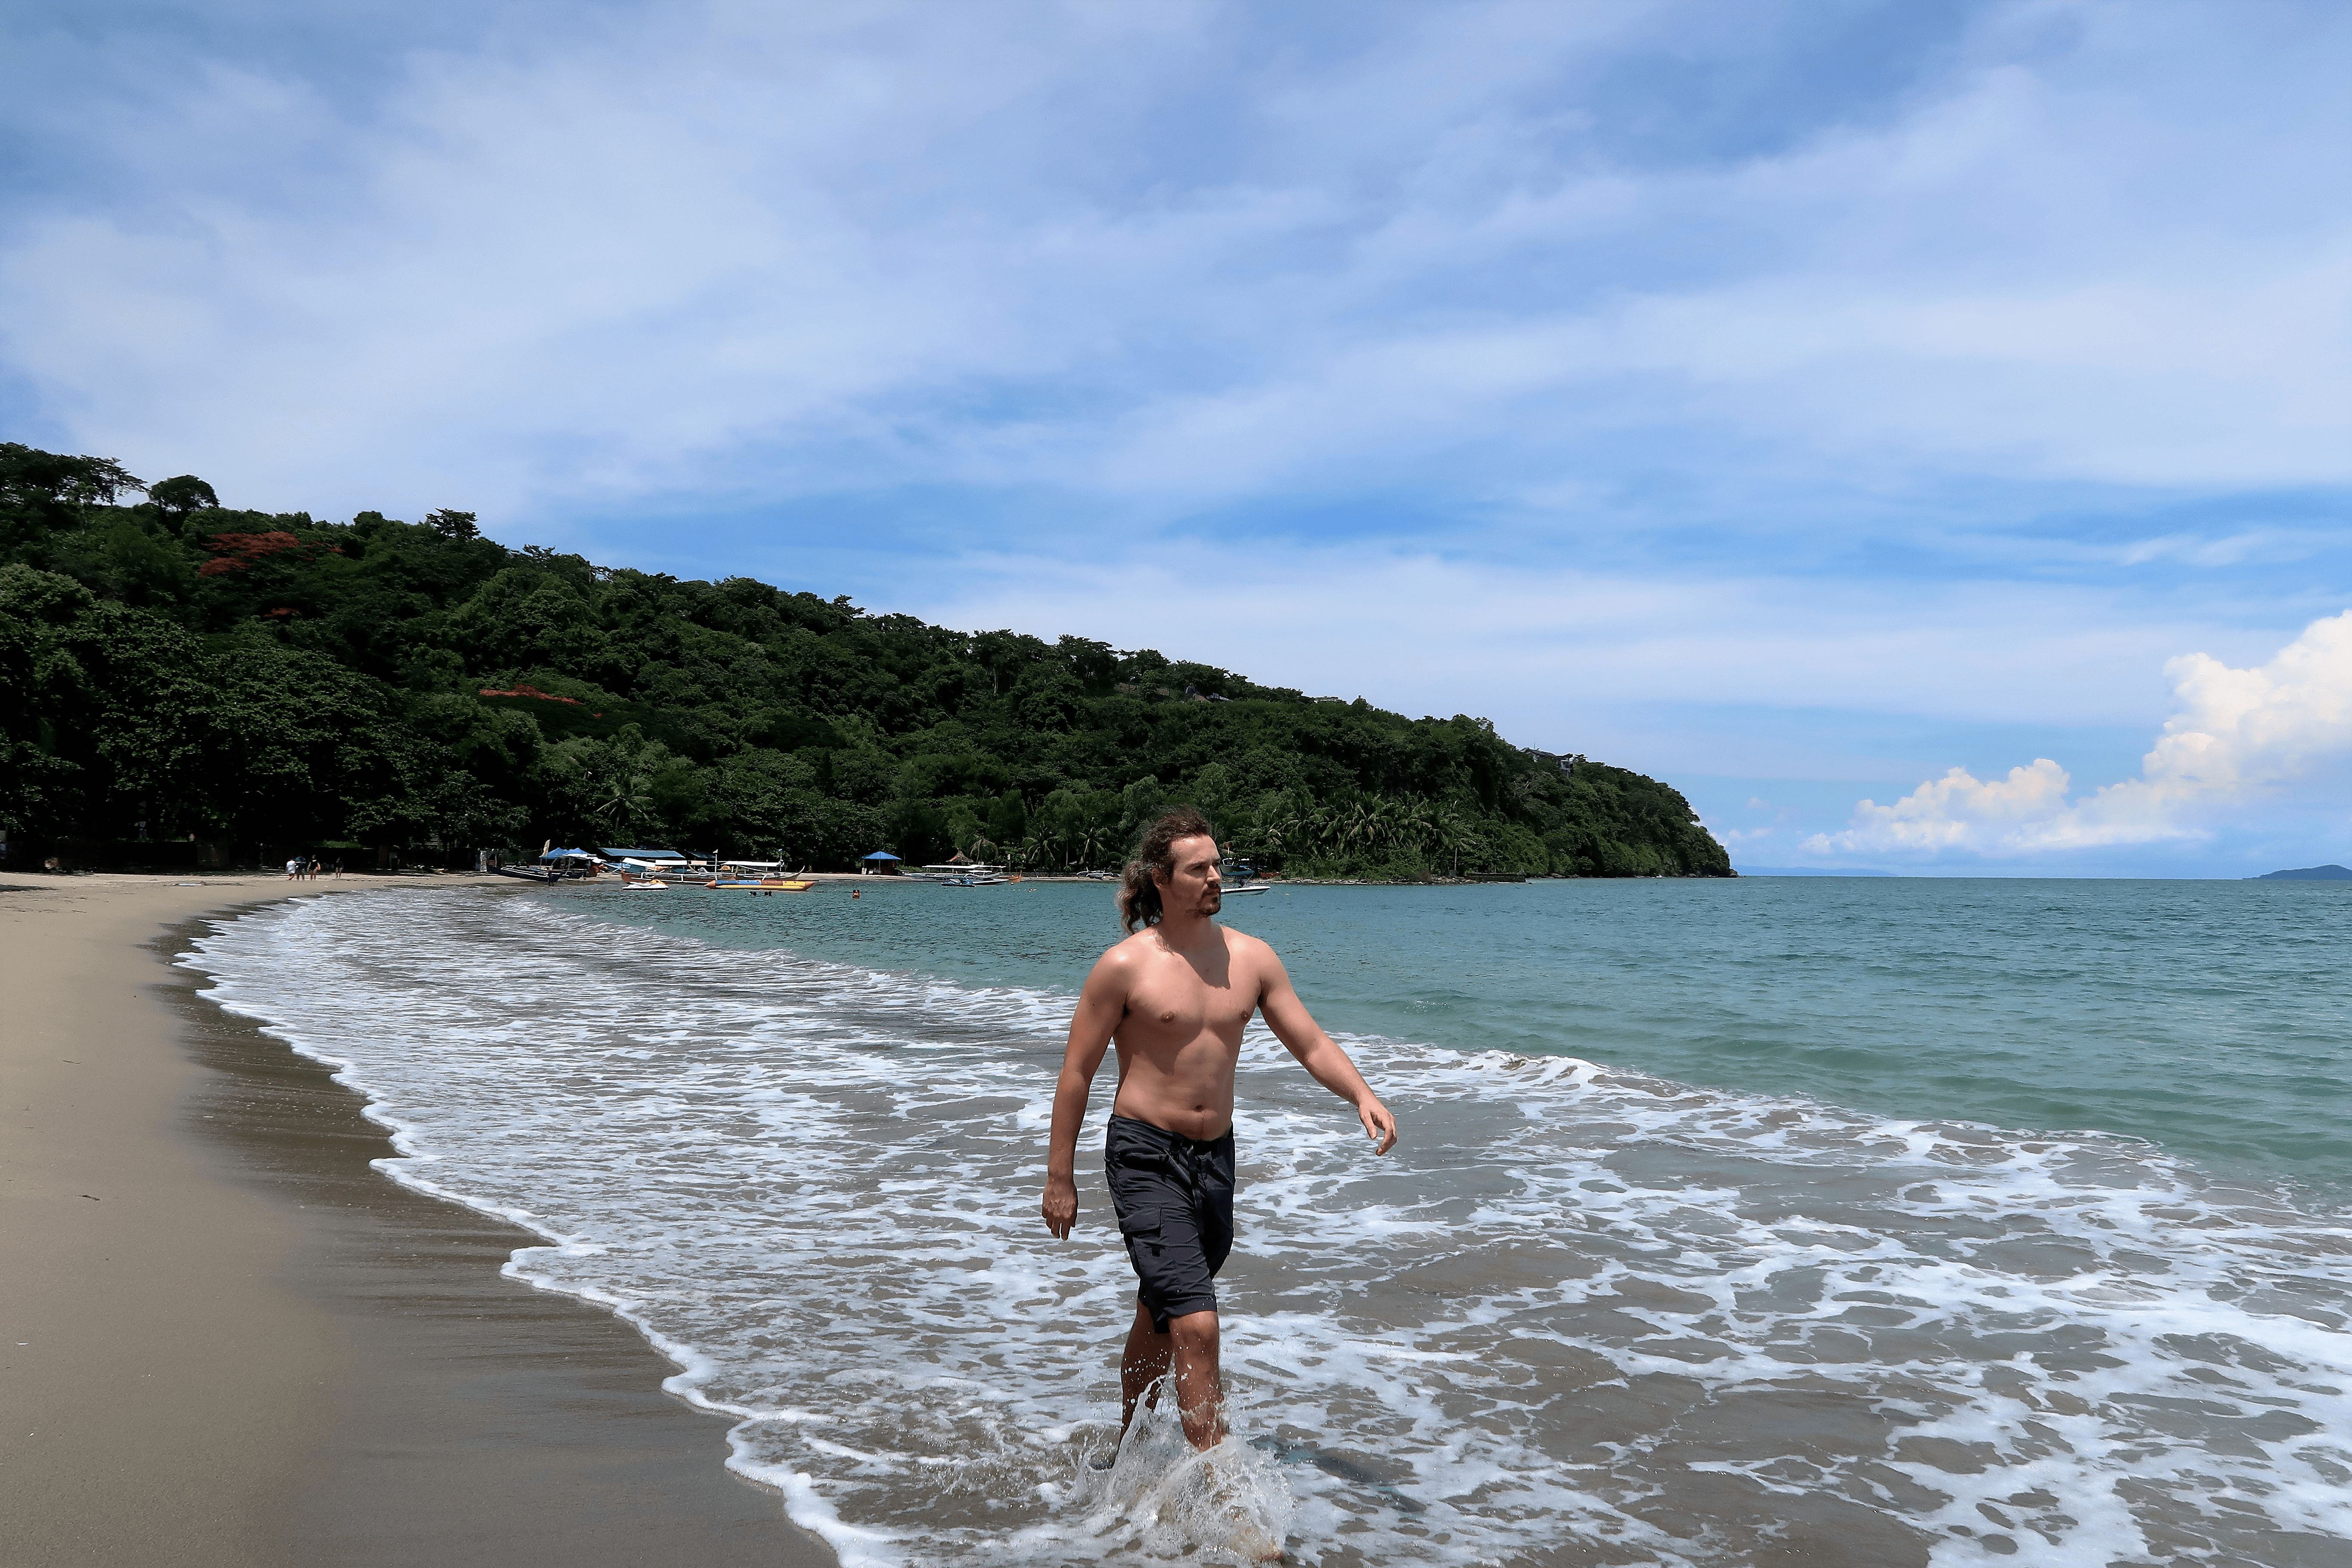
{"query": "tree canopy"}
pixel 173 668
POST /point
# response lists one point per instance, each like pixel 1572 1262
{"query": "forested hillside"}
pixel 172 670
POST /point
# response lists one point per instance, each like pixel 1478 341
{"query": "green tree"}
pixel 175 661
pixel 1008 818
pixel 177 498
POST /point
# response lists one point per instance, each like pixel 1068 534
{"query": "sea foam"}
pixel 1581 1315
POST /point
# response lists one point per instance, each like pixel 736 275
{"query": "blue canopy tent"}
pixel 881 863
pixel 562 865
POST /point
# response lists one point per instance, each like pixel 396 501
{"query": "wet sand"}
pixel 231 1341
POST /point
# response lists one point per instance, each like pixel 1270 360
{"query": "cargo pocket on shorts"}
pixel 1141 1227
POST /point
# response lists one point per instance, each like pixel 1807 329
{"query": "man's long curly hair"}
pixel 1139 892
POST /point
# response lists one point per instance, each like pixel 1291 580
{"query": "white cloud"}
pixel 2244 739
pixel 2251 543
pixel 1042 285
pixel 838 247
pixel 1565 658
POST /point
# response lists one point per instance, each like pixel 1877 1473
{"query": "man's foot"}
pixel 1235 1505
pixel 1249 1540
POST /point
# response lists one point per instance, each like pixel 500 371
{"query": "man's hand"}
pixel 1061 1205
pixel 1377 1122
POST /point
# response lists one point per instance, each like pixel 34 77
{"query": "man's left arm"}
pixel 1319 1053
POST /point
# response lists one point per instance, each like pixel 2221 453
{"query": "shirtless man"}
pixel 1175 996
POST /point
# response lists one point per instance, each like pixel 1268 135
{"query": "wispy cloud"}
pixel 1552 654
pixel 1108 253
pixel 2274 544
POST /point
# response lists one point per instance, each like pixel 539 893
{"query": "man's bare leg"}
pixel 1144 1363
pixel 1190 1346
pixel 1200 1387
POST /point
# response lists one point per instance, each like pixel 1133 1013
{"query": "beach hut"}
pixel 653 861
pixel 881 863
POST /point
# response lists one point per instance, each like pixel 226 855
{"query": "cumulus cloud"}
pixel 2242 739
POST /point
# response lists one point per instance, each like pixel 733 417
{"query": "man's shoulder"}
pixel 1248 949
pixel 1125 952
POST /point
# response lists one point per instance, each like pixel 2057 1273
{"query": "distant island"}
pixel 2309 873
pixel 182 682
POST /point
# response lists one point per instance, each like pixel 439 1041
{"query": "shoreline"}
pixel 239 1344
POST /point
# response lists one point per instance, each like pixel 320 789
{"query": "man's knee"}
pixel 1195 1331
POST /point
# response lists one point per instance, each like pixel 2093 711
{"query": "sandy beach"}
pixel 232 1342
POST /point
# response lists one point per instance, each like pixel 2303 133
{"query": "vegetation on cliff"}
pixel 170 669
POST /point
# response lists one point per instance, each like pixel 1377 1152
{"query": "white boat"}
pixel 1241 871
pixel 646 863
pixel 635 882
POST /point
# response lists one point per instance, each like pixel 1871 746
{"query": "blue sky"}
pixel 1795 401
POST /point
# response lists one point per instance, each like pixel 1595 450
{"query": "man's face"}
pixel 1196 888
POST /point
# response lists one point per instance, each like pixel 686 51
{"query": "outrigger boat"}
pixel 648 867
pixel 762 882
pixel 555 866
pixel 960 871
pixel 963 871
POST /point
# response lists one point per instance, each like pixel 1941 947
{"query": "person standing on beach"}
pixel 1174 996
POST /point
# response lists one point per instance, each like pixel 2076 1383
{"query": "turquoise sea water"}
pixel 1736 1225
pixel 2211 1018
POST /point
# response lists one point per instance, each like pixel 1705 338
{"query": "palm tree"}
pixel 1454 836
pixel 626 800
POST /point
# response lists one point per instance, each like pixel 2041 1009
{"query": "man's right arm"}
pixel 1101 1005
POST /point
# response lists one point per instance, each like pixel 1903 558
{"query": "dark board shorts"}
pixel 1175 1202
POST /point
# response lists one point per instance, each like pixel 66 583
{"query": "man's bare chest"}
pixel 1186 1005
